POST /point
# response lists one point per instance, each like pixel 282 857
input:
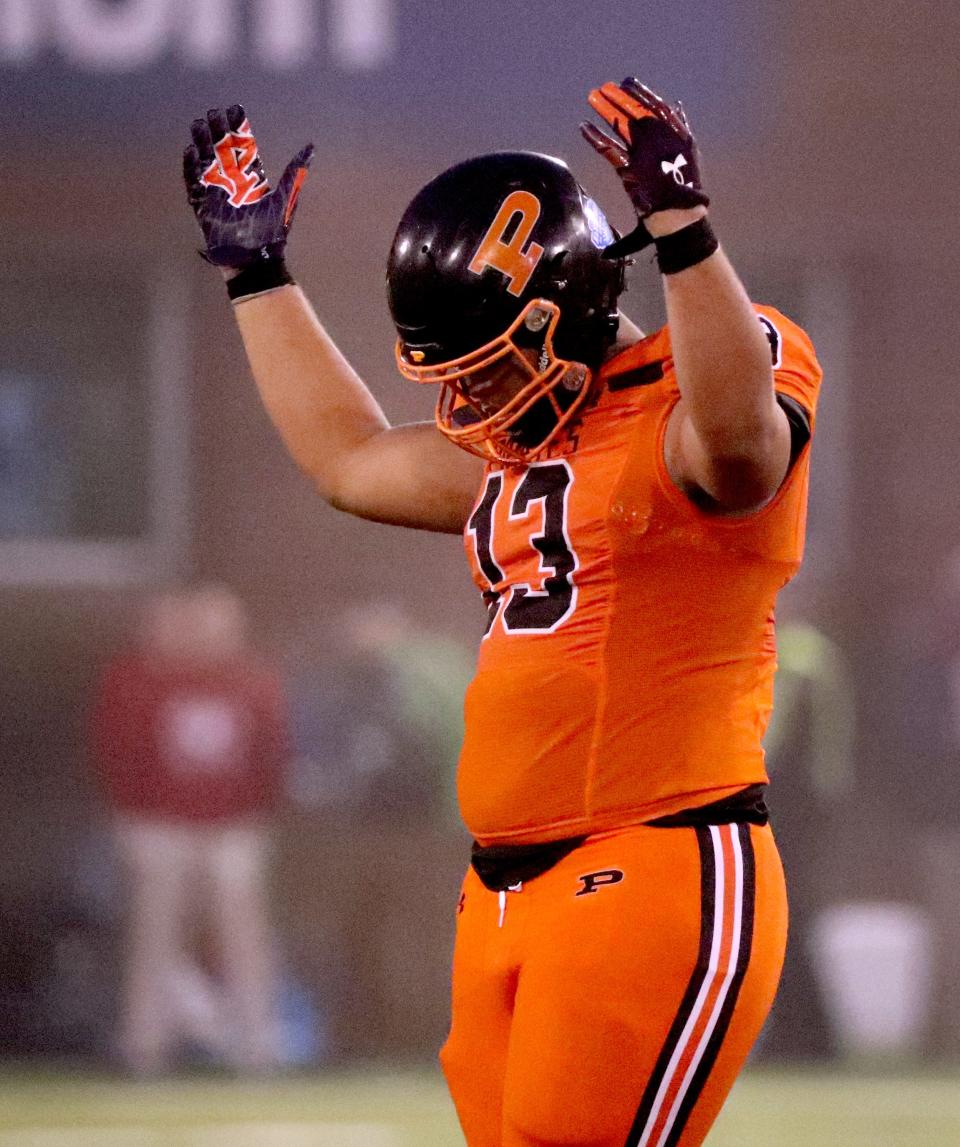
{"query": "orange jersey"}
pixel 627 670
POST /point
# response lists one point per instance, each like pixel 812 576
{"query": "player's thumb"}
pixel 293 179
pixel 296 168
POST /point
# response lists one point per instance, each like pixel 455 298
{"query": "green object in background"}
pixel 815 684
pixel 433 673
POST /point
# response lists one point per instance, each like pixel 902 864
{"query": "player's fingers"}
pixel 643 94
pixel 632 105
pixel 217 120
pixel 608 147
pixel 236 117
pixel 654 104
pixel 191 167
pixel 618 108
pixel 613 115
pixel 202 141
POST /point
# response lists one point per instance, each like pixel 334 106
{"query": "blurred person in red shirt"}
pixel 190 740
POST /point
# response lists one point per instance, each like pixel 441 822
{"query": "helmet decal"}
pixel 509 257
pixel 601 233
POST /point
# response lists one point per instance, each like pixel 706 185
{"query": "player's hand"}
pixel 653 151
pixel 242 220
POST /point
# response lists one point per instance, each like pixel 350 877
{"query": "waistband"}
pixel 501 866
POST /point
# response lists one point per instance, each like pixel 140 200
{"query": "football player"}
pixel 630 506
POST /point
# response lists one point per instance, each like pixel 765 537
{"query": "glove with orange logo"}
pixel 244 223
pixel 655 155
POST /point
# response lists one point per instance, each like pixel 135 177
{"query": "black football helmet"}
pixel 499 260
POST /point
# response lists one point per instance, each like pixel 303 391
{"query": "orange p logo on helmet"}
pixel 508 256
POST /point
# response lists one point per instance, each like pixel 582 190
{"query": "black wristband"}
pixel 686 247
pixel 259 276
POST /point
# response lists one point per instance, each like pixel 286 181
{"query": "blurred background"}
pixel 146 504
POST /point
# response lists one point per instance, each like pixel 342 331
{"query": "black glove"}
pixel 242 220
pixel 655 157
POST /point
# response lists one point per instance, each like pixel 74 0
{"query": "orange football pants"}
pixel 612 1000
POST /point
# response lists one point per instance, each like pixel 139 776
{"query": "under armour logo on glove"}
pixel 644 152
pixel 237 168
pixel 676 169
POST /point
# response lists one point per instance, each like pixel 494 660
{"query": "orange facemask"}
pixel 496 436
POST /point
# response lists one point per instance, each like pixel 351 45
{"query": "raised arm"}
pixel 728 441
pixel 335 430
pixel 329 421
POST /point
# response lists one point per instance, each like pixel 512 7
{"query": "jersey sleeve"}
pixel 796 372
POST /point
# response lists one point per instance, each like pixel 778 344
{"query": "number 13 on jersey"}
pixel 540 499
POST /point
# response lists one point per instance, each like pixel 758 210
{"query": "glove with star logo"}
pixel 244 223
pixel 655 155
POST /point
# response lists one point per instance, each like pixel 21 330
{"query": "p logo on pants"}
pixel 594 881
